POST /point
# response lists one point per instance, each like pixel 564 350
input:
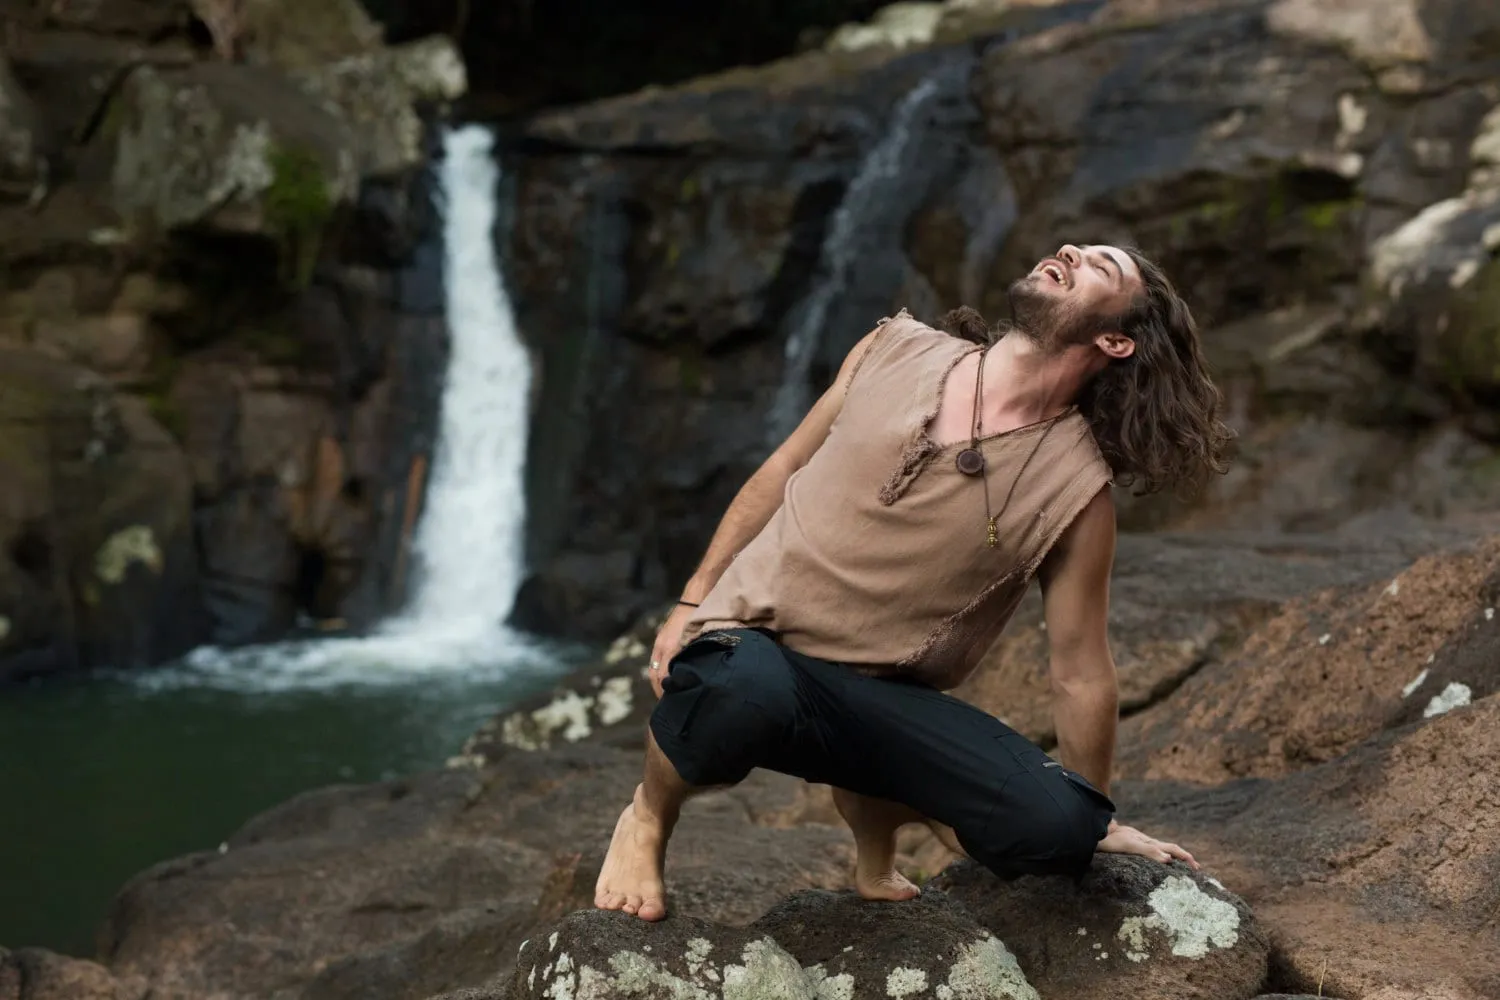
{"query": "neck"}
pixel 1025 383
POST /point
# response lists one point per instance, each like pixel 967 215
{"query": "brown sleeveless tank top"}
pixel 877 556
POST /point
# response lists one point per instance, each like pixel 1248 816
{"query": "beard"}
pixel 1050 322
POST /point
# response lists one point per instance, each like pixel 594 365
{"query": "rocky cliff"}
pixel 219 322
pixel 696 260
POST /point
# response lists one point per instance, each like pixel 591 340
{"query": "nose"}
pixel 1070 255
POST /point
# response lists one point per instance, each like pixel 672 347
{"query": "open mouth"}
pixel 1056 273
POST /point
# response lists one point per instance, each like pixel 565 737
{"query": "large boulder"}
pixel 96 549
pixel 1436 276
pixel 236 147
pixel 1131 927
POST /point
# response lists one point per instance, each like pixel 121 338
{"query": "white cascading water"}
pixel 469 543
pixel 468 549
pixel 880 168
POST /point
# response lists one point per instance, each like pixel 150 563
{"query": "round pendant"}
pixel 970 462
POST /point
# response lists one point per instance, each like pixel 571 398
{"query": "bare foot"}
pixel 874 824
pixel 631 877
pixel 874 880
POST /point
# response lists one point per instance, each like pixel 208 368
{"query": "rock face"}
pixel 1331 854
pixel 1328 672
pixel 1319 188
pixel 1191 939
pixel 218 320
pixel 33 974
pixel 96 547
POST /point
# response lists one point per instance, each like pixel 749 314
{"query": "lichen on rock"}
pixel 1192 921
pixel 135 544
pixel 206 146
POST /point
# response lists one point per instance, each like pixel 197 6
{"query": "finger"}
pixel 1180 854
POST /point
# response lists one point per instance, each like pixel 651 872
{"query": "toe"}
pixel 632 905
pixel 652 908
pixel 606 900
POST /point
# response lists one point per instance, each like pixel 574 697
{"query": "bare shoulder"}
pixel 1090 539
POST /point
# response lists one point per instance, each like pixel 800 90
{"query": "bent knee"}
pixel 724 713
pixel 1053 839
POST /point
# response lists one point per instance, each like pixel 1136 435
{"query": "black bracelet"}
pixel 686 604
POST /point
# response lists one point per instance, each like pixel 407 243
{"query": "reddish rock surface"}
pixel 1376 872
pixel 1328 671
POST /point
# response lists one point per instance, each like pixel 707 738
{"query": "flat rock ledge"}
pixel 1129 929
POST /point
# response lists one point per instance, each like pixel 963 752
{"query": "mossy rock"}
pixel 1468 350
pixel 298 206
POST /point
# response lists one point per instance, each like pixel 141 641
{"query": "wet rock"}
pixel 34 974
pixel 1329 671
pixel 1129 926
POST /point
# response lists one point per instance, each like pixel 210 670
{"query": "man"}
pixel 870 562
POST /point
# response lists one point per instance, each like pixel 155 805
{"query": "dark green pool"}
pixel 103 776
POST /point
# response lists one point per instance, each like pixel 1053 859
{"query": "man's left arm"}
pixel 1075 591
pixel 1085 693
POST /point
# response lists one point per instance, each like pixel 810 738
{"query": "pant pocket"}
pixel 1086 788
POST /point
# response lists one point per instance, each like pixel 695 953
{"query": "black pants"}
pixel 737 700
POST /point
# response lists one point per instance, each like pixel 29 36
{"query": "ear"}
pixel 1116 346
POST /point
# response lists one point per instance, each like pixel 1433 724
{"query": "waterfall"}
pixel 468 545
pixel 866 207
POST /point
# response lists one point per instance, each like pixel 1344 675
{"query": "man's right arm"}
pixel 756 501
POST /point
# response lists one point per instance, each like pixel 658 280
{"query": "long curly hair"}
pixel 1155 414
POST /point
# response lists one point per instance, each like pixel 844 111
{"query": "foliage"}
pixel 297 209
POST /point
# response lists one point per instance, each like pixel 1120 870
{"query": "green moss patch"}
pixel 1469 349
pixel 297 209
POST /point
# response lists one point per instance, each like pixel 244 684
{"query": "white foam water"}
pixel 469 547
